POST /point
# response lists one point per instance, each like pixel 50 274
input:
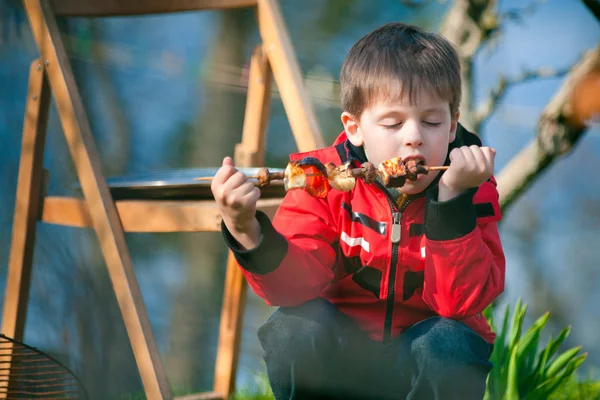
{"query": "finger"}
pixel 469 159
pixel 218 185
pixel 226 181
pixel 254 195
pixel 223 173
pixel 489 152
pixel 246 188
pixel 490 155
pixel 479 159
pixel 235 181
pixel 456 156
pixel 241 197
pixel 228 161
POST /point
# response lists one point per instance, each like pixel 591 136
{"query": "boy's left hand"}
pixel 469 167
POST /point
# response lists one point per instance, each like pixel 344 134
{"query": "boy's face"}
pixel 399 129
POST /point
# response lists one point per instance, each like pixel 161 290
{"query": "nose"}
pixel 412 135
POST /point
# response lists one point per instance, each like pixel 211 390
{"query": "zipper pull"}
pixel 396 231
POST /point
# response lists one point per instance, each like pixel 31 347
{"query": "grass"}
pixel 262 391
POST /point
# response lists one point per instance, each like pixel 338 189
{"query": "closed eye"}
pixel 432 123
pixel 394 126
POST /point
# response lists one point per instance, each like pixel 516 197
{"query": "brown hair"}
pixel 398 59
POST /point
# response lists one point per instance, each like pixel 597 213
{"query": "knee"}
pixel 297 329
pixel 442 341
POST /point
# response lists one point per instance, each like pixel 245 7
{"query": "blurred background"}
pixel 168 92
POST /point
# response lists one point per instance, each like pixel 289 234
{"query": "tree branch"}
pixel 594 7
pixel 464 26
pixel 516 14
pixel 555 135
pixel 496 94
pixel 414 3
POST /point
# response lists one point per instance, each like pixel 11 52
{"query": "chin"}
pixel 415 187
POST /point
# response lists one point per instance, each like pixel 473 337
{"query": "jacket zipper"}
pixel 395 236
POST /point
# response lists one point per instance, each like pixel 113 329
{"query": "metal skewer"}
pixel 356 172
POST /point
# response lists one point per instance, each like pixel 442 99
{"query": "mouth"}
pixel 418 159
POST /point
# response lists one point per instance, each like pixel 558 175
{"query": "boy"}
pixel 380 290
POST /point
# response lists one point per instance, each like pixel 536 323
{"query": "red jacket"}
pixel 447 261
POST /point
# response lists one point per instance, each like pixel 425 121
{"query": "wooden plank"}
pixel 252 149
pixel 250 152
pixel 202 396
pixel 27 202
pixel 167 216
pixel 230 329
pixel 288 77
pixel 102 209
pixel 102 8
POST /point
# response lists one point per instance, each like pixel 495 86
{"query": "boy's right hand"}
pixel 236 197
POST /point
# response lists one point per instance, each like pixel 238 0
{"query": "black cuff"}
pixel 447 220
pixel 269 252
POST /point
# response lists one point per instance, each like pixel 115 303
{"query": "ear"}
pixel 352 129
pixel 453 127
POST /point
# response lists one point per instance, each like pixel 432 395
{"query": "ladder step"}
pixel 202 396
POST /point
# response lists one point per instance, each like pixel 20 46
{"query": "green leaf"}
pixel 512 383
pixel 517 324
pixel 551 349
pixel 550 386
pixel 559 340
pixel 497 380
pixel 528 345
pixel 501 339
pixel 542 360
pixel 541 391
pixel 524 370
pixel 562 361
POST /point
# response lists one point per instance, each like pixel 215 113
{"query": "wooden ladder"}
pixel 51 74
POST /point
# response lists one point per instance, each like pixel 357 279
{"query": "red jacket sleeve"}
pixel 465 264
pixel 294 260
